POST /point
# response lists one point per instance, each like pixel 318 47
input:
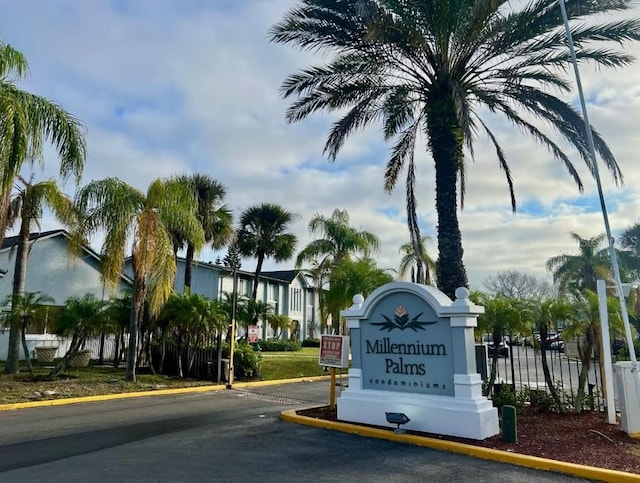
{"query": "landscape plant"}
pixel 81 319
pixel 126 215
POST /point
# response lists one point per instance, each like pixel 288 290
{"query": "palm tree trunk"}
pixel 27 357
pixel 19 277
pixel 445 143
pixel 188 264
pixel 136 313
pixel 179 351
pixel 62 365
pixel 256 279
pixel 545 370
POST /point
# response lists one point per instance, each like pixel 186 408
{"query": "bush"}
pixel 507 397
pixel 542 401
pixel 246 361
pixel 277 345
pixel 311 343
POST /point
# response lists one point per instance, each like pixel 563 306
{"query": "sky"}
pixel 167 87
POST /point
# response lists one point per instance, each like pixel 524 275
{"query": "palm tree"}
pixel 215 217
pixel 630 251
pixel 26 122
pixel 434 67
pixel 125 213
pixel 338 242
pixel 349 278
pixel 544 315
pixel 420 263
pixel 26 308
pixel 584 327
pixel 264 234
pixel 194 319
pixel 501 316
pixel 29 201
pixel 81 318
pixel 279 323
pixel 581 272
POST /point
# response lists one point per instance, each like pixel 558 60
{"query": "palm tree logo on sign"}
pixel 401 321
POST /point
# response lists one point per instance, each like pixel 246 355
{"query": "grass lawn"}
pixel 287 365
pixel 95 380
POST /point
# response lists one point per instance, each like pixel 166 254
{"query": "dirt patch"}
pixel 585 439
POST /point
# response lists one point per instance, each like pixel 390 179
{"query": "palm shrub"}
pixel 192 320
pixel 544 315
pixel 279 323
pixel 501 316
pixel 584 327
pixel 26 309
pixel 81 319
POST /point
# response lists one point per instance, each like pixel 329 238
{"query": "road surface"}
pixel 224 436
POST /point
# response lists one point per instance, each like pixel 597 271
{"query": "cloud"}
pixel 167 88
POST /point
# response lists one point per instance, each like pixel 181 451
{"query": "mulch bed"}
pixel 585 439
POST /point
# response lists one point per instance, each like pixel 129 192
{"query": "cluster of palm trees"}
pixel 572 304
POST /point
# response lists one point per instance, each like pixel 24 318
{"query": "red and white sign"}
pixel 253 334
pixel 334 351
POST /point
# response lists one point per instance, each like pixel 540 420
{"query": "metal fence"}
pixel 522 368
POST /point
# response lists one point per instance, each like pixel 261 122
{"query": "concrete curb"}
pixel 152 392
pixel 534 462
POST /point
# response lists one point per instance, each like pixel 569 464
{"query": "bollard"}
pixel 509 425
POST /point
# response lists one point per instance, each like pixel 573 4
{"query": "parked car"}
pixel 554 342
pixel 557 345
pixel 503 349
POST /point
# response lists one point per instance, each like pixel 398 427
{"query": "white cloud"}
pixel 166 90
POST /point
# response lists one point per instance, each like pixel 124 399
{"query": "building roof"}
pixel 283 275
pixel 12 241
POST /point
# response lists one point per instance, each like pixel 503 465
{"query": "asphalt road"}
pixel 225 436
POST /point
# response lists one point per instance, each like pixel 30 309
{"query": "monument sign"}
pixel 413 352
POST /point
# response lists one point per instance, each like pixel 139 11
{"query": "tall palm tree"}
pixel 264 234
pixel 434 67
pixel 126 214
pixel 338 240
pixel 581 272
pixel 27 205
pixel 215 217
pixel 26 122
pixel 419 263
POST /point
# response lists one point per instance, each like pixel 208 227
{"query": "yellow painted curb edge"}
pixel 151 392
pixel 534 462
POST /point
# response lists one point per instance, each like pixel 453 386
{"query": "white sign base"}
pixel 468 415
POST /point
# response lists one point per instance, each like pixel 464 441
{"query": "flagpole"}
pixel 603 205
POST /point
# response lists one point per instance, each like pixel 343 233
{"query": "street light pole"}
pixel 232 261
pixel 232 343
pixel 603 206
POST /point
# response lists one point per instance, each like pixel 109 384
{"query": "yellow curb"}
pixel 152 392
pixel 534 462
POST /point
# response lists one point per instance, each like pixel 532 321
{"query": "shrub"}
pixel 311 343
pixel 542 401
pixel 277 345
pixel 246 361
pixel 507 397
